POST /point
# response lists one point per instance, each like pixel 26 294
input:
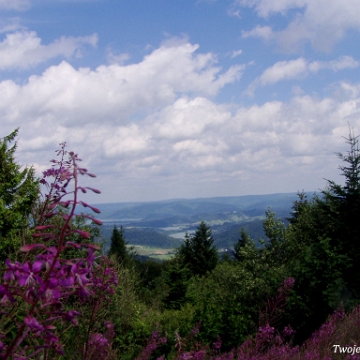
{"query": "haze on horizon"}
pixel 183 99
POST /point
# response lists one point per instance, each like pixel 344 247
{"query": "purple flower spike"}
pixel 44 285
pixel 33 324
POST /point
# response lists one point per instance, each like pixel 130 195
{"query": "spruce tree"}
pixel 118 245
pixel 19 191
pixel 245 247
pixel 177 278
pixel 341 207
pixel 198 252
pixel 322 247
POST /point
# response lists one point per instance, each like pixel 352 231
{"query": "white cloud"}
pixel 236 53
pixel 128 140
pixel 23 49
pixel 344 62
pixel 266 8
pixel 294 69
pixel 322 22
pixel 10 25
pixel 114 93
pixel 264 32
pixel 194 142
pixel 154 125
pixel 283 70
pixel 186 118
pixel 120 59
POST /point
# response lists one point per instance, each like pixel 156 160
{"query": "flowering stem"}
pixel 95 307
pixel 20 336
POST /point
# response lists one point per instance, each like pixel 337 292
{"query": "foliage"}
pixel 245 248
pixel 317 264
pixel 118 246
pixel 131 319
pixel 61 299
pixel 334 339
pixel 341 207
pixel 177 278
pixel 275 231
pixel 198 252
pixel 151 281
pixel 227 301
pixel 18 192
pixel 196 256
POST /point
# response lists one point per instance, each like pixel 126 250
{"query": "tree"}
pixel 321 247
pixel 118 245
pixel 245 247
pixel 341 207
pixel 177 278
pixel 19 190
pixel 198 252
pixel 314 259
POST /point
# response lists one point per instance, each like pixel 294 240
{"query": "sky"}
pixel 168 99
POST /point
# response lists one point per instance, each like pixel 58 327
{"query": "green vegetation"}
pixel 118 249
pixel 303 269
pixel 198 252
pixel 19 192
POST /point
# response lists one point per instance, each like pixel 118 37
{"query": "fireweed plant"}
pixel 38 291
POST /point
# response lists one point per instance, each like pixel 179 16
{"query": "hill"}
pixel 163 223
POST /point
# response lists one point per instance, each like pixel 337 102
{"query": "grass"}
pixel 154 252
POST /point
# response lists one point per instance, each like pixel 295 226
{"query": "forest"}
pixel 63 296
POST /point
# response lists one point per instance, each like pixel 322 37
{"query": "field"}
pixel 154 252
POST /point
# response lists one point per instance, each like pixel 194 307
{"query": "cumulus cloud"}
pixel 117 59
pixel 293 69
pixel 114 93
pixel 283 70
pixel 194 142
pixel 187 118
pixel 156 124
pixel 344 62
pixel 322 22
pixel 23 49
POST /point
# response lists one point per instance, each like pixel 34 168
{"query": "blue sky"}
pixel 183 98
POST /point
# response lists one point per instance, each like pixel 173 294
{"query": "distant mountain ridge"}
pixel 163 223
pixel 254 205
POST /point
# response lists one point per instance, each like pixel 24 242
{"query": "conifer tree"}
pixel 341 207
pixel 322 247
pixel 118 245
pixel 198 252
pixel 19 191
pixel 177 279
pixel 245 247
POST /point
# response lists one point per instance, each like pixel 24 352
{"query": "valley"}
pixel 155 229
